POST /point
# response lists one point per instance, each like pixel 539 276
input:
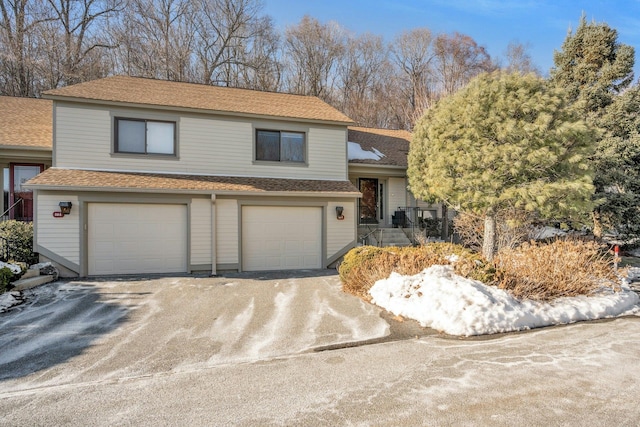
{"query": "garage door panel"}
pixel 279 237
pixel 137 238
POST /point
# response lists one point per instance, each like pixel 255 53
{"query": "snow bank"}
pixel 438 298
pixel 356 152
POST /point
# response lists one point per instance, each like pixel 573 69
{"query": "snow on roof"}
pixel 440 299
pixel 356 152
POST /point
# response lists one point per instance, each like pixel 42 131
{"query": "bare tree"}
pixel 412 52
pixel 312 51
pixel 235 45
pixel 363 72
pixel 262 69
pixel 77 25
pixel 156 39
pixel 458 59
pixel 19 20
pixel 519 59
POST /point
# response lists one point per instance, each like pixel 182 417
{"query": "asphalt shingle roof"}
pixel 394 144
pixel 26 122
pixel 106 180
pixel 136 90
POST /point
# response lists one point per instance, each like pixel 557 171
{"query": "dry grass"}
pixel 563 268
pixel 513 227
pixel 365 265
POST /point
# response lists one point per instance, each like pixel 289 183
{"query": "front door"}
pixel 369 202
pixel 18 175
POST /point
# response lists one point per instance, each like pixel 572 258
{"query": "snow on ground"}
pixel 8 300
pixel 356 152
pixel 15 268
pixel 440 299
pixel 546 232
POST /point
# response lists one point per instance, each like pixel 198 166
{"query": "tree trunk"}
pixel 445 223
pixel 489 240
pixel 597 224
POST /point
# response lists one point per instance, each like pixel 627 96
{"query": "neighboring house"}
pixel 25 151
pixel 167 177
pixel 378 168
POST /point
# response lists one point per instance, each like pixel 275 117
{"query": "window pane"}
pixel 22 174
pixel 131 136
pixel 267 145
pixel 292 147
pixel 160 137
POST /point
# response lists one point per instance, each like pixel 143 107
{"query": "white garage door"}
pixel 137 238
pixel 281 238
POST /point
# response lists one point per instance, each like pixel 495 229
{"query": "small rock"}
pixel 49 270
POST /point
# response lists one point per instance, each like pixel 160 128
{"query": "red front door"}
pixel 22 198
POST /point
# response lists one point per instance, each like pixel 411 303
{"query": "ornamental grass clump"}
pixel 563 268
pixel 365 265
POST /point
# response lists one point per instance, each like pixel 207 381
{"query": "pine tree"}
pixel 617 163
pixel 504 141
pixel 597 71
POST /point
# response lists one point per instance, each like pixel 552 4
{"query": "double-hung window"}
pixel 280 146
pixel 139 136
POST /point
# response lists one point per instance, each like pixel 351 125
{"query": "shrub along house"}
pixel 25 151
pixel 152 176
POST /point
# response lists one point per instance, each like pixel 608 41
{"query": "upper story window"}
pixel 280 146
pixel 139 136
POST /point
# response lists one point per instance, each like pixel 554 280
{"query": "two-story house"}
pixel 152 176
pixel 25 151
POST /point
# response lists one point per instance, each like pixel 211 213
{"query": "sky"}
pixel 543 24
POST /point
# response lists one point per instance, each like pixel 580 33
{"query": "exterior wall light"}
pixel 339 211
pixel 65 207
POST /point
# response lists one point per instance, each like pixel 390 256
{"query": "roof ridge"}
pixel 201 97
pixel 208 85
pixel 378 128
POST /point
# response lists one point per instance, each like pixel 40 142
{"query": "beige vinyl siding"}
pixel 226 231
pixel 397 196
pixel 200 231
pixel 416 202
pixel 340 232
pixel 58 235
pixel 214 145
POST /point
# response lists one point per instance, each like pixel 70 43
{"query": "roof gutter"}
pixel 186 191
pixel 25 147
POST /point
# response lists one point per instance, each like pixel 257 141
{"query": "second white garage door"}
pixel 137 238
pixel 281 238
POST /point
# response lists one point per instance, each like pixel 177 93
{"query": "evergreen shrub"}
pixel 19 241
pixel 6 276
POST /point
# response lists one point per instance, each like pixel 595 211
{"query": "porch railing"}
pixel 418 222
pixel 7 213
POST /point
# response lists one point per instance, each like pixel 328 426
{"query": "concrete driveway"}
pixel 128 328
